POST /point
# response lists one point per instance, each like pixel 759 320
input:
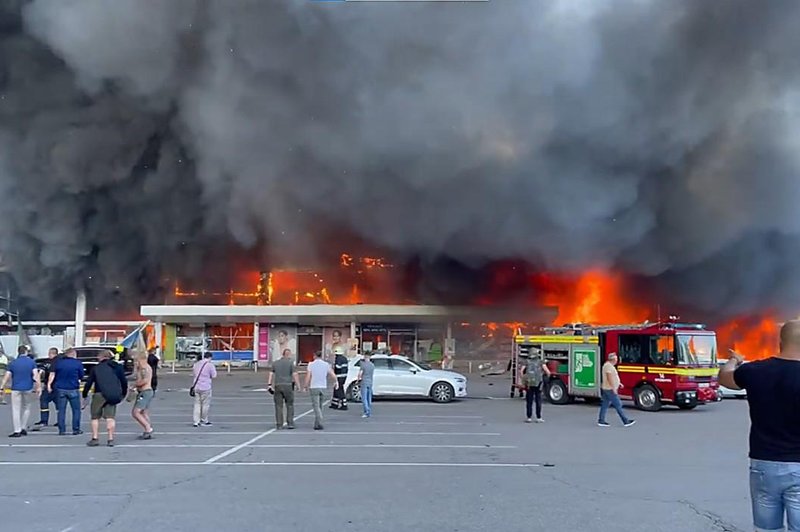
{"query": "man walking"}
pixel 532 380
pixel 365 379
pixel 609 393
pixel 203 372
pixel 47 396
pixel 64 383
pixel 317 383
pixel 773 395
pixel 24 384
pixel 282 382
pixel 144 396
pixel 340 367
pixel 110 387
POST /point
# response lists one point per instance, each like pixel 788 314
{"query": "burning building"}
pixel 528 157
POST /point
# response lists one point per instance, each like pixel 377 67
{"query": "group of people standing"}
pixel 58 380
pixel 284 380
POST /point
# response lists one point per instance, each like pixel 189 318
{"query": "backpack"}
pixel 107 383
pixel 533 373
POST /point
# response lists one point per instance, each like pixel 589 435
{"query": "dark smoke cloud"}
pixel 146 139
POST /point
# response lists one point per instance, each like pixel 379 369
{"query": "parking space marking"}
pixel 241 446
pixel 395 433
pixel 195 432
pixel 260 446
pixel 381 446
pixel 282 464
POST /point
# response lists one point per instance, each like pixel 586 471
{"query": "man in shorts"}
pixel 144 396
pixel 110 387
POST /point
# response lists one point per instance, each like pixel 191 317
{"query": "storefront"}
pixel 251 333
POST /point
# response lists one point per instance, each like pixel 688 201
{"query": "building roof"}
pixel 337 314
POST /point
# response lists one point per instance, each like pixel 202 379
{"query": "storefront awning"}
pixel 338 314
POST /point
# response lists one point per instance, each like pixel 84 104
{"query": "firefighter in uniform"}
pixel 340 367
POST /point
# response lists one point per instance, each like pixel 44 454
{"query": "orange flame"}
pixel 594 297
pixel 753 338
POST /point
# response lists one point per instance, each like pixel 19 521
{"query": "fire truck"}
pixel 659 363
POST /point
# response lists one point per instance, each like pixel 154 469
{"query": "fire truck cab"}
pixel 667 362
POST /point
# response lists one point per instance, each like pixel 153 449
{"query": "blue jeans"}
pixel 73 398
pixel 775 491
pixel 366 398
pixel 44 405
pixel 610 398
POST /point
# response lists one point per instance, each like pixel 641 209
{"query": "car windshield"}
pixel 424 366
pixel 697 349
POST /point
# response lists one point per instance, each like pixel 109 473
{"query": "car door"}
pixel 382 379
pixel 408 378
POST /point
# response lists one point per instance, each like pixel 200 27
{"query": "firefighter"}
pixel 340 367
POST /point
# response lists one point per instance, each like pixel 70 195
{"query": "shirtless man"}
pixel 144 395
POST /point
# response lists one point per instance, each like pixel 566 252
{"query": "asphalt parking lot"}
pixel 472 465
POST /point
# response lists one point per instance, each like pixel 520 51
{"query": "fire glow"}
pixel 593 297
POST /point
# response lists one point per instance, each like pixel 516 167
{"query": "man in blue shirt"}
pixel 25 388
pixel 65 382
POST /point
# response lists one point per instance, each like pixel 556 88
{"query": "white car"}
pixel 728 392
pixel 398 376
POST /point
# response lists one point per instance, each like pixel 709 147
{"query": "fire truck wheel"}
pixel 557 392
pixel 442 392
pixel 646 398
pixel 354 392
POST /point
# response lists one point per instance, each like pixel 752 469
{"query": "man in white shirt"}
pixel 317 384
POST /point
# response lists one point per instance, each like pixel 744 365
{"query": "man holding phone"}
pixel 773 395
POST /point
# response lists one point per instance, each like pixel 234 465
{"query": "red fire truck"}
pixel 666 362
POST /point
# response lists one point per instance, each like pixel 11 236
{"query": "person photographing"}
pixel 773 397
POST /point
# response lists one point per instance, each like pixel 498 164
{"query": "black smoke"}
pixel 143 141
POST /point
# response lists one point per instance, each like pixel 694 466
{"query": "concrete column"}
pixel 353 335
pixel 80 318
pixel 256 344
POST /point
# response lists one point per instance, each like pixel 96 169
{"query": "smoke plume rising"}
pixel 141 140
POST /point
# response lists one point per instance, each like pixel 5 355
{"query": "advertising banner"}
pixel 282 336
pixel 584 368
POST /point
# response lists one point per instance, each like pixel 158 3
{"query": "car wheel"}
pixel 442 392
pixel 354 392
pixel 557 392
pixel 647 399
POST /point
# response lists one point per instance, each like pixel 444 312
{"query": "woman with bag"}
pixel 204 372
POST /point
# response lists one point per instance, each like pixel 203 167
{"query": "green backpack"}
pixel 533 373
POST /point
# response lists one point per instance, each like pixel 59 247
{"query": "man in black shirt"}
pixel 773 393
pixel 152 361
pixel 47 397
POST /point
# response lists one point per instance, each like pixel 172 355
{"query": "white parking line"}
pixel 253 440
pixel 261 446
pixel 279 464
pixel 393 433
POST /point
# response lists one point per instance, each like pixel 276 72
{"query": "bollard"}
pixel 470 366
pixel 173 366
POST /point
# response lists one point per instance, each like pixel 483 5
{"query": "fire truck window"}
pixel 634 349
pixel 662 349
